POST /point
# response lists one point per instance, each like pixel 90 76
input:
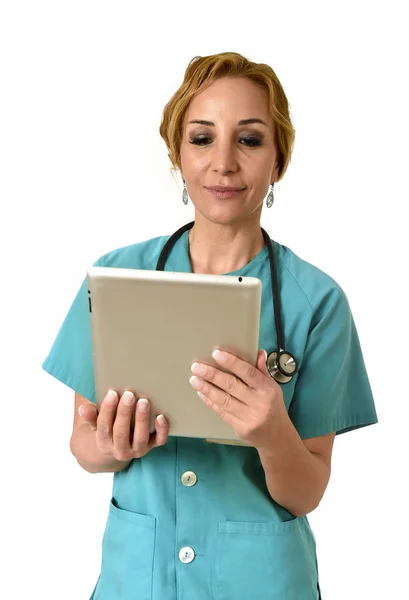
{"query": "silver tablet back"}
pixel 148 327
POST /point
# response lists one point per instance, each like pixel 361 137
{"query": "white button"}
pixel 189 478
pixel 186 554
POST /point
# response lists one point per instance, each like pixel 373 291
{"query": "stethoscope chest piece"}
pixel 281 366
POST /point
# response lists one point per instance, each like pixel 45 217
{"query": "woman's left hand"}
pixel 247 398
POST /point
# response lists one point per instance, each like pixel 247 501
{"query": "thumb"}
pixel 89 413
pixel 261 363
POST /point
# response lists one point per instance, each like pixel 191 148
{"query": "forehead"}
pixel 232 98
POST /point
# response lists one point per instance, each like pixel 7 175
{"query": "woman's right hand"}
pixel 112 426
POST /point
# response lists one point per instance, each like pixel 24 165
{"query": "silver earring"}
pixel 185 197
pixel 270 197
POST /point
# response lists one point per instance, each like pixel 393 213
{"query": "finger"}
pixel 224 381
pixel 223 403
pixel 141 433
pixel 162 431
pixel 249 374
pixel 262 367
pixel 261 364
pixel 122 426
pixel 106 419
pixel 89 413
pixel 230 412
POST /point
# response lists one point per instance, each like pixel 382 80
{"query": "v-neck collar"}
pixel 179 259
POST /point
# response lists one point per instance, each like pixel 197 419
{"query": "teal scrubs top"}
pixel 194 520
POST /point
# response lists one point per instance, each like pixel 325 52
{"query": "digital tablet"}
pixel 148 327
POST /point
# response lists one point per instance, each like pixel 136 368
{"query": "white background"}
pixel 84 171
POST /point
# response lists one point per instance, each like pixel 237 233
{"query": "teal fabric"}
pixel 246 545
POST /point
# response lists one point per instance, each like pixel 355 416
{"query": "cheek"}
pixel 198 162
pixel 192 163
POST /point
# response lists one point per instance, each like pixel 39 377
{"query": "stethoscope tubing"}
pixel 276 370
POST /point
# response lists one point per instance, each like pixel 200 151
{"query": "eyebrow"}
pixel 242 122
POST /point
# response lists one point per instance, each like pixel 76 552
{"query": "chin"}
pixel 226 215
pixel 225 218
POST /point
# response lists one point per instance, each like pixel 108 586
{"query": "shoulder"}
pixel 319 289
pixel 142 255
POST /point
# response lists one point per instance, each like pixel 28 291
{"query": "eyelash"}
pixel 255 141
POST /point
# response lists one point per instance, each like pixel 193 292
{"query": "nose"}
pixel 223 157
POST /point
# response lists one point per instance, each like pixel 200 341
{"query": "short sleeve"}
pixel 332 392
pixel 70 358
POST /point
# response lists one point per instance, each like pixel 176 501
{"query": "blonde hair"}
pixel 201 72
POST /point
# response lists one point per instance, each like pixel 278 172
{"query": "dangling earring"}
pixel 270 197
pixel 185 197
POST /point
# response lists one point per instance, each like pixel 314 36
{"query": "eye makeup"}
pixel 250 141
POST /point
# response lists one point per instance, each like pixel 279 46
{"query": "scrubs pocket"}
pixel 268 560
pixel 127 556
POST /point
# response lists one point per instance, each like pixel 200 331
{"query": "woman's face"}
pixel 224 152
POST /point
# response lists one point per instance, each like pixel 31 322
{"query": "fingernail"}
pixel 127 398
pixel 111 396
pixel 142 405
pixel 218 355
pixel 161 420
pixel 195 382
pixel 197 369
pixel 79 410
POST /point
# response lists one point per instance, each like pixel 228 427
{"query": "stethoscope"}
pixel 281 364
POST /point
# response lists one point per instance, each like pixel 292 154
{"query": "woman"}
pixel 190 519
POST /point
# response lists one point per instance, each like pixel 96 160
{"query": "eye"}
pixel 251 142
pixel 198 140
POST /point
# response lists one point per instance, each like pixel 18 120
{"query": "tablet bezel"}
pixel 190 314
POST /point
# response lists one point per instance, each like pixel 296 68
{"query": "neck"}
pixel 219 249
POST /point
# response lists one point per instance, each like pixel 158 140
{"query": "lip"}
pixel 225 193
pixel 224 188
